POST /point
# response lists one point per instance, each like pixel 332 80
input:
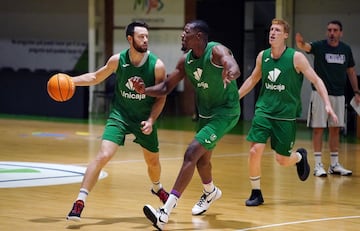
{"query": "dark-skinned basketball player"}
pixel 212 70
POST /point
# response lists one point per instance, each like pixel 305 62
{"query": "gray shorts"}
pixel 317 116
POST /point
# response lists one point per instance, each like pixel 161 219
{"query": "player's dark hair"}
pixel 336 22
pixel 131 27
pixel 201 26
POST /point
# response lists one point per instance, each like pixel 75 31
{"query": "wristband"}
pixel 357 92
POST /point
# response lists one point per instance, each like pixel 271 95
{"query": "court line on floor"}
pixel 176 158
pixel 299 222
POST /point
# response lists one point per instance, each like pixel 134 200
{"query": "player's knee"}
pixel 103 157
pixel 254 153
pixel 153 162
pixel 282 160
pixel 203 164
pixel 188 157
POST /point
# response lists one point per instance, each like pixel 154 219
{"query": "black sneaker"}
pixel 303 167
pixel 255 199
pixel 76 210
pixel 162 194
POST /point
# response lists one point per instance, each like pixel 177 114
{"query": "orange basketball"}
pixel 60 87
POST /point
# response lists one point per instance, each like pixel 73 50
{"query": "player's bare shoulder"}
pixel 159 64
pixel 300 61
pixel 113 62
pixel 160 71
pixel 220 51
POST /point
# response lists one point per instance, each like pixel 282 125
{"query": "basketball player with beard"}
pixel 130 112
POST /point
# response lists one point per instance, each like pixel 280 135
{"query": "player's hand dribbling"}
pixel 138 84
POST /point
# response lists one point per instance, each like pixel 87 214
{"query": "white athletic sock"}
pixel 317 157
pixel 334 158
pixel 299 157
pixel 209 187
pixel 170 203
pixel 83 194
pixel 156 186
pixel 255 182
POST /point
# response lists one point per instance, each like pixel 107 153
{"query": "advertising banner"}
pixel 41 54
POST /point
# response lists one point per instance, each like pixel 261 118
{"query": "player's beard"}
pixel 183 48
pixel 139 48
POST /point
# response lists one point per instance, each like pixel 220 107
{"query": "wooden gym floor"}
pixel 116 203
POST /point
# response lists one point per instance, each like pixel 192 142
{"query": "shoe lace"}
pixel 161 212
pixel 338 165
pixel 163 195
pixel 320 165
pixel 202 200
pixel 78 207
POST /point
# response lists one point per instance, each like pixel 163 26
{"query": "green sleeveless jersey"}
pixel 280 94
pixel 127 104
pixel 211 96
pixel 331 63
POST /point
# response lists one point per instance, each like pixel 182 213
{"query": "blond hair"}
pixel 283 23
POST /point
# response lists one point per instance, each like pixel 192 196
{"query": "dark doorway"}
pixel 226 22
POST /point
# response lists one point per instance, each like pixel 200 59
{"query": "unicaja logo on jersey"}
pixel 273 76
pixel 132 95
pixel 130 85
pixel 197 76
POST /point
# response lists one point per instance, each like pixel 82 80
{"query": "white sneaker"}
pixel 319 170
pixel 339 170
pixel 158 217
pixel 205 201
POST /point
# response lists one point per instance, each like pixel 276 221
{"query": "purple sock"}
pixel 176 193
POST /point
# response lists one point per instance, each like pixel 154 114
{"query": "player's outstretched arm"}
pixel 162 88
pixel 301 44
pixel 302 65
pixel 253 79
pixel 93 78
